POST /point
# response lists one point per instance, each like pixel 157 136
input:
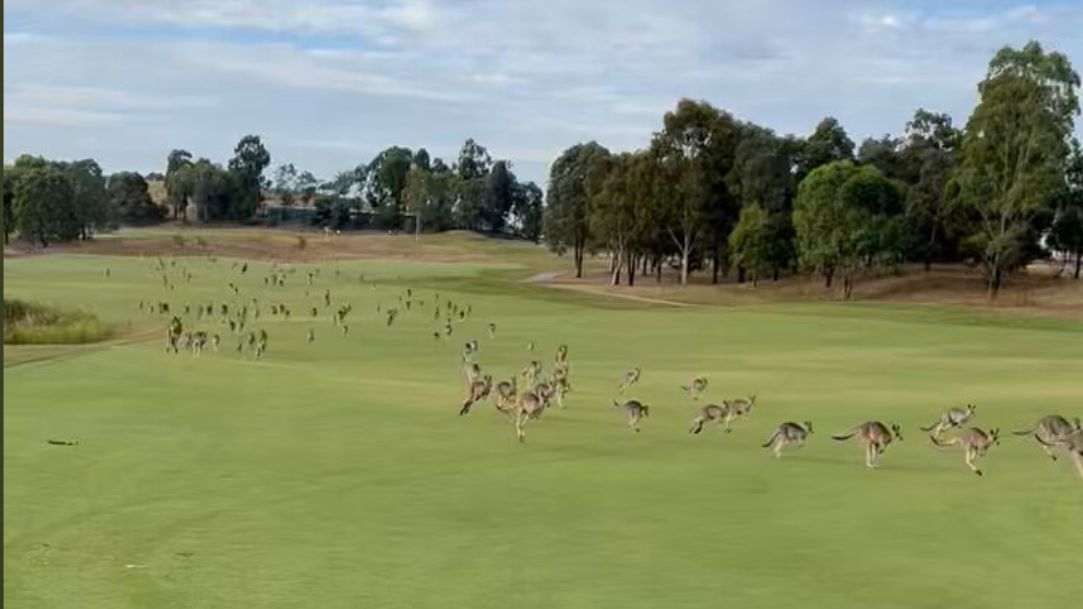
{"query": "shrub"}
pixel 31 323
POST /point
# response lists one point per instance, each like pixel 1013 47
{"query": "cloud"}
pixel 328 81
pixel 18 114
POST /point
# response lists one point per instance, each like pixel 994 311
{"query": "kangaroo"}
pixel 562 354
pixel 952 417
pixel 696 386
pixel 875 436
pixel 788 433
pixel 1073 445
pixel 1049 430
pixel 492 330
pixel 531 372
pixel 630 378
pixel 635 411
pixel 479 390
pixel 562 387
pixel 974 441
pixel 529 406
pixel 505 395
pixel 723 415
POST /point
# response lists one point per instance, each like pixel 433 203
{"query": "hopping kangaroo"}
pixel 875 436
pixel 723 415
pixel 505 395
pixel 1073 445
pixel 788 433
pixel 697 386
pixel 529 406
pixel 952 418
pixel 975 442
pixel 635 411
pixel 479 390
pixel 1050 430
pixel 630 378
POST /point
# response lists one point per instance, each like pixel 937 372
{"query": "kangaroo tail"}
pixel 1043 442
pixel 929 428
pixel 770 441
pixel 936 440
pixel 616 404
pixel 845 436
pixel 1024 432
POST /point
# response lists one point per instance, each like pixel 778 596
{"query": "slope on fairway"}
pixel 337 474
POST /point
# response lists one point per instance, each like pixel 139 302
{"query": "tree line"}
pixel 713 191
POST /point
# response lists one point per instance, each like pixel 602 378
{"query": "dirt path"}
pixel 550 280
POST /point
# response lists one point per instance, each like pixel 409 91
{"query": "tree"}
pixel 566 219
pixel 828 143
pixel 285 183
pixel 527 211
pixel 129 196
pixel 847 216
pixel 472 169
pixel 1013 153
pixel 883 154
pixel 416 196
pixel 928 156
pixel 89 198
pixel 9 203
pixel 762 176
pixel 498 196
pixel 1067 230
pixel 43 207
pixel 386 182
pixel 699 141
pixel 306 185
pixel 751 242
pixel 612 213
pixel 213 190
pixel 176 186
pixel 250 159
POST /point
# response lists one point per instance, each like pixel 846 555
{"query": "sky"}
pixel 329 83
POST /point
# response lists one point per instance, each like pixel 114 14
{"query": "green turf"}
pixel 339 475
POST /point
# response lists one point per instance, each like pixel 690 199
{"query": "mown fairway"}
pixel 338 474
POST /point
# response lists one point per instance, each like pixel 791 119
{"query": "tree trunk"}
pixel 740 273
pixel 714 265
pixel 686 252
pixel 847 287
pixel 578 259
pixel 1078 258
pixel 658 270
pixel 994 282
pixel 631 269
pixel 645 260
pixel 928 264
pixel 774 274
pixel 417 227
pixel 616 265
pixel 829 275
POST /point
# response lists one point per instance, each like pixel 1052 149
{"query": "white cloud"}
pixel 327 81
pixel 17 114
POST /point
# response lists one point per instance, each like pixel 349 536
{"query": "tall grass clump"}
pixel 27 323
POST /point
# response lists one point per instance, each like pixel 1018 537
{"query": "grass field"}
pixel 338 474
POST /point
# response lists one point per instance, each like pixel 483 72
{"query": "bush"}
pixel 30 323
